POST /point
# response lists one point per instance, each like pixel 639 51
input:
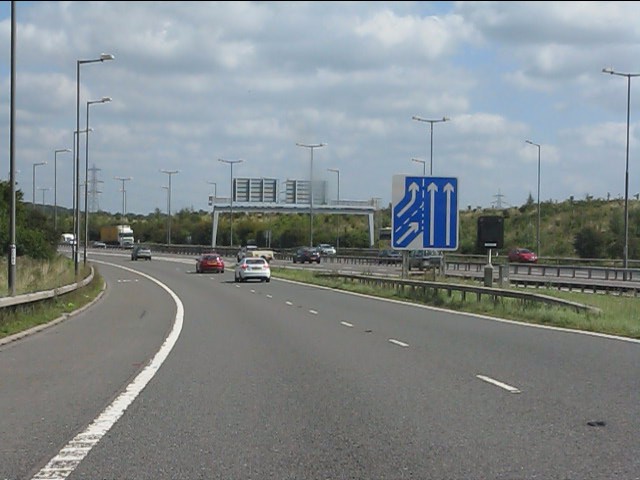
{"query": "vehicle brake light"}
pixel 244 267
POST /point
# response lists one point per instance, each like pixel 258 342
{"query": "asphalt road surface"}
pixel 216 380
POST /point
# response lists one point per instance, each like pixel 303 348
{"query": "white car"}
pixel 326 249
pixel 252 268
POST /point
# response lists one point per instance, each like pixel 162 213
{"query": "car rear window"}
pixel 256 261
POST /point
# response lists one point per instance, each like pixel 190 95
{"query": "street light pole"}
pixel 102 58
pixel 431 122
pixel 337 171
pixel 166 188
pixel 33 198
pixel 311 148
pixel 170 173
pixel 213 207
pixel 55 186
pixel 86 177
pixel 43 189
pixel 75 244
pixel 625 258
pixel 11 261
pixel 538 229
pixel 231 163
pixel 424 165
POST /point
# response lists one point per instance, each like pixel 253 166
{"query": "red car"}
pixel 209 262
pixel 522 255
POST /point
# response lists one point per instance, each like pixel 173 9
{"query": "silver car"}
pixel 252 268
pixel 140 252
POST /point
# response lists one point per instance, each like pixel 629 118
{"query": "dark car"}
pixel 389 257
pixel 522 255
pixel 209 262
pixel 140 252
pixel 422 259
pixel 306 254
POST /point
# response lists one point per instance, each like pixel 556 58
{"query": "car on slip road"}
pixel 209 262
pixel 252 268
pixel 306 254
pixel 141 252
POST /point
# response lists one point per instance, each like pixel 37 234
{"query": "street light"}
pixel 43 189
pixel 424 165
pixel 124 195
pixel 337 171
pixel 625 258
pixel 431 122
pixel 55 185
pixel 33 200
pixel 170 173
pixel 11 261
pixel 102 58
pixel 538 229
pixel 231 163
pixel 86 176
pixel 311 147
pixel 213 201
pixel 75 245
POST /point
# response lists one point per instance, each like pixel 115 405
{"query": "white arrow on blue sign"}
pixel 424 213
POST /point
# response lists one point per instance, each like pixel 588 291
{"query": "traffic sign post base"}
pixel 488 275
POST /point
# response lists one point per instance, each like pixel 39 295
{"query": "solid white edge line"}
pixel 398 342
pixel 68 459
pixel 497 383
pixel 347 324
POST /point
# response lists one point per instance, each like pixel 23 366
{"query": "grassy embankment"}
pixel 35 276
pixel 620 315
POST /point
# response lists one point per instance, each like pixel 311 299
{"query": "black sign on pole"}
pixel 490 232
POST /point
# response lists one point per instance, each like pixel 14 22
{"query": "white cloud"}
pixel 196 81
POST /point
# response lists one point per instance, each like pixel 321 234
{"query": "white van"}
pixel 68 239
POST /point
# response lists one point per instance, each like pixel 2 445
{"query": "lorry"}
pixel 251 250
pixel 117 235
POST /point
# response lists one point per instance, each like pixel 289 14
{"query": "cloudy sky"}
pixel 194 82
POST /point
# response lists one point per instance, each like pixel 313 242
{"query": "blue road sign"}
pixel 424 213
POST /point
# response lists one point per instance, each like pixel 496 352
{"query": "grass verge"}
pixel 619 315
pixel 60 272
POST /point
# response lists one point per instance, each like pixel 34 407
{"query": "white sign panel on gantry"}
pixel 424 213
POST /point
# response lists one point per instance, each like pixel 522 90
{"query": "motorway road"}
pixel 288 381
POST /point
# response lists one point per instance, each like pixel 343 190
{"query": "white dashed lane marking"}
pixel 497 383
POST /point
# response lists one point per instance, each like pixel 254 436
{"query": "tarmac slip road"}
pixel 55 382
pixel 289 381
